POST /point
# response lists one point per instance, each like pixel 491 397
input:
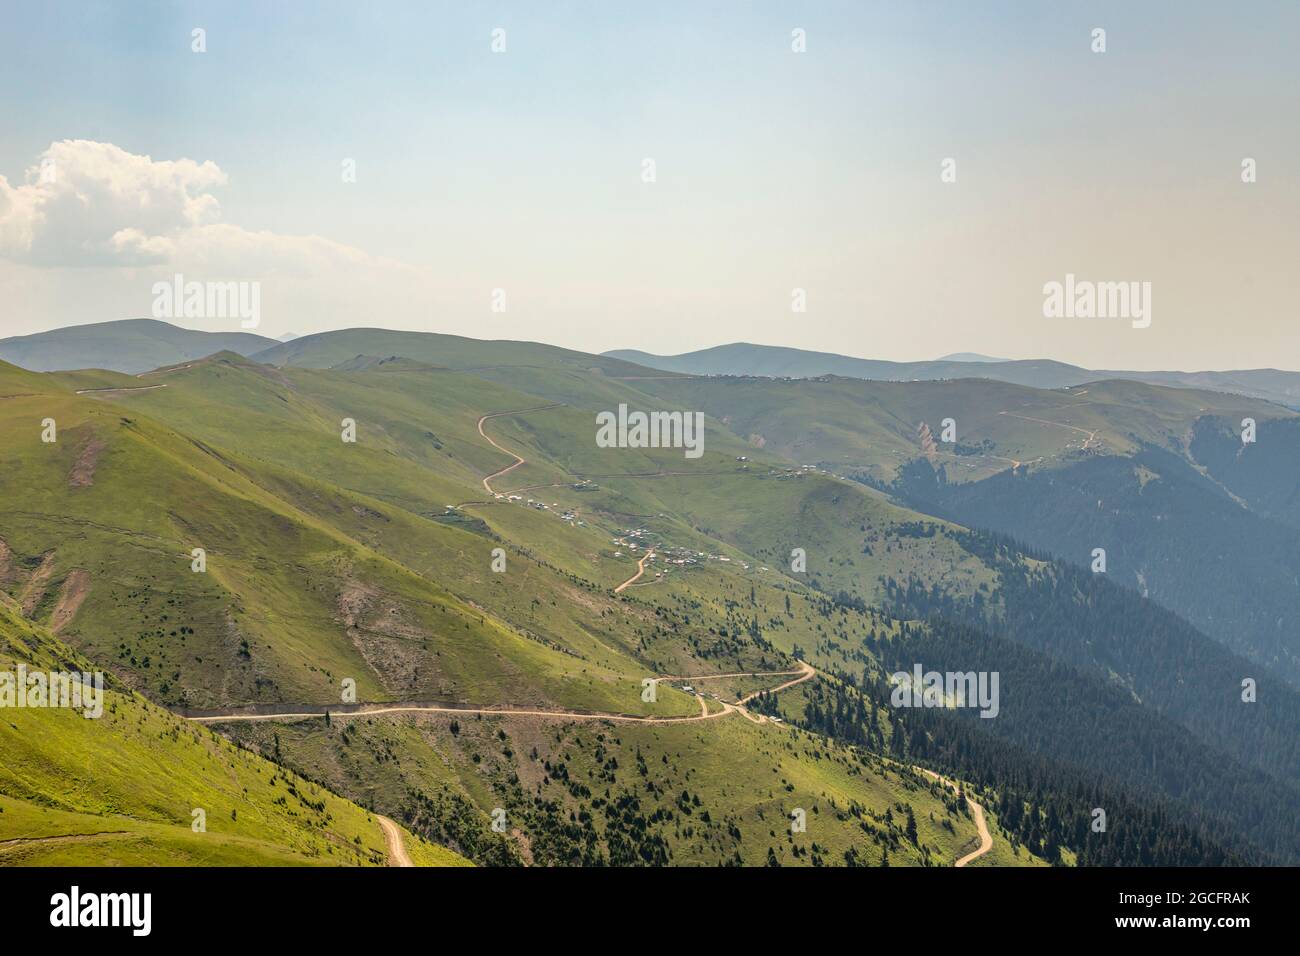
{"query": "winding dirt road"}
pixel 119 389
pixel 805 672
pixel 1092 435
pixel 986 839
pixel 518 459
pixel 640 570
pixel 225 718
pixel 397 855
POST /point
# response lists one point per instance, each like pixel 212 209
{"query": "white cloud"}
pixel 88 204
pixel 95 204
pixel 92 227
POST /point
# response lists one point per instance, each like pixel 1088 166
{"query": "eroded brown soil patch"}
pixel 383 631
pixel 75 588
pixel 83 471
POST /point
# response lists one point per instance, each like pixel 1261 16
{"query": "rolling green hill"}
pixel 716 793
pixel 329 349
pixel 129 345
pixel 874 429
pixel 122 789
pixel 292 601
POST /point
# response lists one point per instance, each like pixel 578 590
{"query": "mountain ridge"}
pixel 124 345
pixel 745 358
pixel 134 346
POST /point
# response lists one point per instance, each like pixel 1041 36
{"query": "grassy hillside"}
pixel 874 429
pixel 122 789
pixel 329 349
pixel 130 345
pixel 283 425
pixel 293 600
pixel 419 449
pixel 597 793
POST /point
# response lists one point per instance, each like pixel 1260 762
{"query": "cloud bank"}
pixel 88 204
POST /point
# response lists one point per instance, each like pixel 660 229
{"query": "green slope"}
pixel 291 603
pixel 419 450
pixel 130 345
pixel 715 793
pixel 329 349
pixel 121 789
pixel 873 429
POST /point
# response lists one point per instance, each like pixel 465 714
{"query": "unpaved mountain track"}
pixel 986 839
pixel 21 842
pixel 112 392
pixel 805 673
pixel 640 570
pixel 1092 435
pixel 519 460
pixel 232 717
pixel 397 855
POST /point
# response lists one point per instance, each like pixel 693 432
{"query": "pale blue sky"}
pixel 776 170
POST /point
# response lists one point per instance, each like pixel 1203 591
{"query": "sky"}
pixel 504 193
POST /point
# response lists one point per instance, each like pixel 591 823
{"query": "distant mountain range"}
pixel 743 358
pixel 129 345
pixel 139 345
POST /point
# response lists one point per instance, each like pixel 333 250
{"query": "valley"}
pixel 427 589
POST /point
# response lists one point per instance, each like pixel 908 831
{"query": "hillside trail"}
pixel 640 570
pixel 805 672
pixel 977 811
pixel 58 838
pixel 519 460
pixel 1092 435
pixel 113 392
pixel 392 834
pixel 397 855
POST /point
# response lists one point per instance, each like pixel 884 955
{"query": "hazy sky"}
pixel 126 158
